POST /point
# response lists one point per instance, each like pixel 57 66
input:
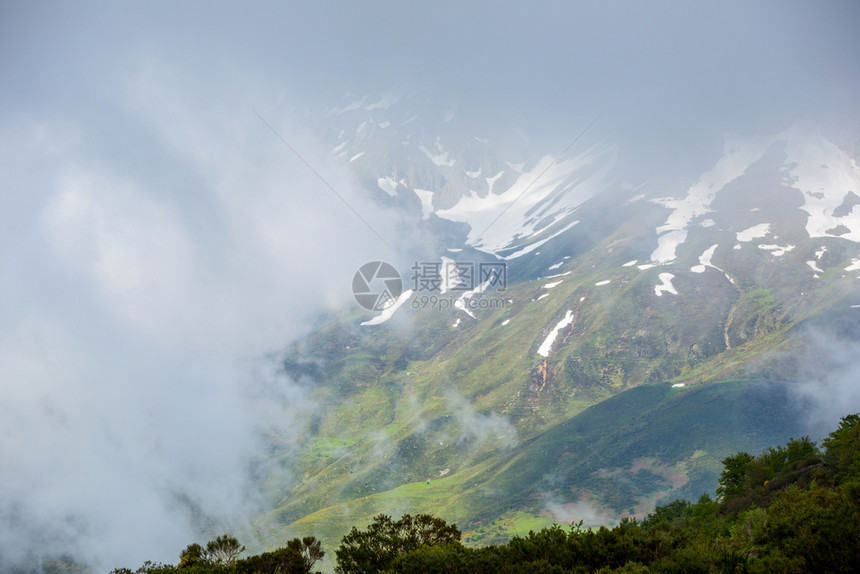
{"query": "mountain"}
pixel 626 338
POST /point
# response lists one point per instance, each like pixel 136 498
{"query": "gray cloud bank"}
pixel 140 284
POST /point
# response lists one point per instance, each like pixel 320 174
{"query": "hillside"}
pixel 641 335
pixel 792 508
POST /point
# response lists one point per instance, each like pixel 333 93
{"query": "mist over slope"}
pixel 160 247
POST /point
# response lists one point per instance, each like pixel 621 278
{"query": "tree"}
pixel 191 556
pixel 298 557
pixel 309 548
pixel 670 512
pixel 222 551
pixel 385 539
pixel 801 452
pixel 733 478
pixel 842 448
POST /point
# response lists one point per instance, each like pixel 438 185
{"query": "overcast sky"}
pixel 156 239
pixel 549 57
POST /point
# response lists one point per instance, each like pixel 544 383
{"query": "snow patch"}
pixel 491 181
pixel 462 307
pixel 565 274
pixel 825 174
pixel 602 283
pixel 388 185
pixel 538 199
pixel 678 385
pixel 426 198
pixel 388 312
pixel 542 296
pixel 705 260
pixel 356 156
pixel 338 148
pixel 666 286
pixel 631 263
pixel 776 250
pixel 735 161
pixel 546 346
pixel 506 322
pixel 812 263
pixel 754 232
pixel 460 303
pixel 553 284
pixel 440 157
pixel 450 275
pixel 351 107
pixel 474 174
pixel 385 102
pixel 667 245
pixel 535 245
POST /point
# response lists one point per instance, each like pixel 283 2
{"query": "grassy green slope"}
pixel 617 458
pixel 471 424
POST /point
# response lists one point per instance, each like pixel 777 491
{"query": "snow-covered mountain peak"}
pixel 445 167
pixel 798 167
pixel 829 179
pixel 465 170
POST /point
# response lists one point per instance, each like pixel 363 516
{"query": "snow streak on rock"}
pixel 546 346
pixel 539 199
pixel 388 312
pixel 735 161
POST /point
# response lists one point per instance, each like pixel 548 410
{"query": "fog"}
pixel 477 428
pixel 573 512
pixel 158 241
pixel 827 371
pixel 139 301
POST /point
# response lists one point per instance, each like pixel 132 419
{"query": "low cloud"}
pixel 572 512
pixel 828 371
pixel 139 301
pixel 480 428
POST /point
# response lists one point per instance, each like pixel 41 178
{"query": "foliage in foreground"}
pixel 220 556
pixel 790 509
